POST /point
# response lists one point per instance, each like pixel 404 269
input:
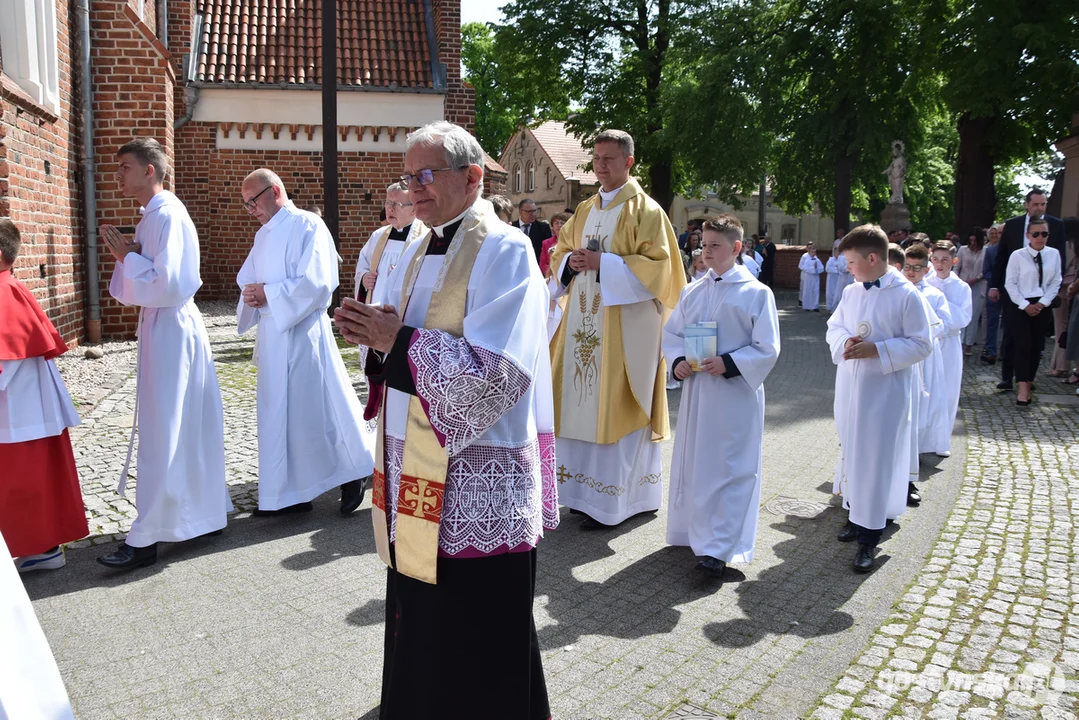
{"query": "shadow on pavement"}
pixel 334 537
pixel 803 593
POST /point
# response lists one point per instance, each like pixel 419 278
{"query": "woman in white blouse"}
pixel 1032 281
pixel 969 269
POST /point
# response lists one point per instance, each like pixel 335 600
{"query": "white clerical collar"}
pixel 439 228
pixel 606 197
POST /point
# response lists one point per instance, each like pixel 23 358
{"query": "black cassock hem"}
pixel 465 647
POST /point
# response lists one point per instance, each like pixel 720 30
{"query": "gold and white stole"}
pixel 425 462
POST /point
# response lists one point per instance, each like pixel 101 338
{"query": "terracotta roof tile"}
pixel 565 151
pixel 379 42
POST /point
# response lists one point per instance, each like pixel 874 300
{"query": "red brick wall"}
pixel 460 97
pixel 45 206
pixel 133 96
pixel 208 181
pixel 787 274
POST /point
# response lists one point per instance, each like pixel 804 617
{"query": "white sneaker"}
pixel 673 385
pixel 42 561
pixel 944 454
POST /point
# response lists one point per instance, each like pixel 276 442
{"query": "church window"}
pixel 28 43
pixel 517 178
pixel 531 177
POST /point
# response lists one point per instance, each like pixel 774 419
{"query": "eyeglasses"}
pixel 249 205
pixel 526 211
pixel 1040 233
pixel 391 204
pixel 427 175
pixel 913 268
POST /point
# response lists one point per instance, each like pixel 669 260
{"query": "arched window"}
pixel 548 171
pixel 517 178
pixel 531 177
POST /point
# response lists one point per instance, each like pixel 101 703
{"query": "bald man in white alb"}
pixel 312 436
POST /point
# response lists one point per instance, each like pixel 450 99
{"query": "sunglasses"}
pixel 1039 234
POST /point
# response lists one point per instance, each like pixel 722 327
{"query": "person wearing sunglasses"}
pixel 1032 281
pixel 311 433
pixel 1013 237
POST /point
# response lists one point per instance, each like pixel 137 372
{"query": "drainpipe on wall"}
pixel 163 23
pixel 89 179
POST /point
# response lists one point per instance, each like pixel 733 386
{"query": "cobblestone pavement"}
pixel 990 627
pixel 282 617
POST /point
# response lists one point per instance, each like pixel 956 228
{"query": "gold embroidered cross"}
pixel 563 474
pixel 420 497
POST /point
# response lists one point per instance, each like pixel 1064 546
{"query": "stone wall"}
pixel 39 188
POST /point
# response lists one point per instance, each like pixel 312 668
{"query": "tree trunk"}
pixel 975 196
pixel 661 178
pixel 844 168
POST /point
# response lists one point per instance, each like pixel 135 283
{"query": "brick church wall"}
pixel 133 85
pixel 208 181
pixel 39 188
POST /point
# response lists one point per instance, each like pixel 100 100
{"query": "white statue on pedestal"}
pixel 897 172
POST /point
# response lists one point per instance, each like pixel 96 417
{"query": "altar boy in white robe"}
pixel 811 269
pixel 312 436
pixel 715 487
pixel 879 331
pixel 182 491
pixel 961 309
pixel 383 249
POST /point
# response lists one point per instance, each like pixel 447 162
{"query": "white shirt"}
pixel 1021 278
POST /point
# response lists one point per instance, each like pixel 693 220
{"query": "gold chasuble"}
pixel 425 462
pixel 607 383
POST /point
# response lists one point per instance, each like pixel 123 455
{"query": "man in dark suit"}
pixel 1013 238
pixel 536 230
pixel 767 249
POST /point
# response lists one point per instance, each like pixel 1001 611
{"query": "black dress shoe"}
pixel 290 510
pixel 1022 403
pixel 1004 385
pixel 590 523
pixel 712 566
pixel 849 532
pixel 863 561
pixel 352 495
pixel 127 557
pixel 914 498
pixel 989 359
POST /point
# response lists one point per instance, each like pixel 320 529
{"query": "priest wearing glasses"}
pixel 464 475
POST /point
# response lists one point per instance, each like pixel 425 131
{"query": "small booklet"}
pixel 701 339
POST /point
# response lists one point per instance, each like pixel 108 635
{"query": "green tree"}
pixel 612 57
pixel 1010 72
pixel 511 89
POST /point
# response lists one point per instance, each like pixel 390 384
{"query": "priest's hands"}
pixel 859 349
pixel 375 327
pixel 582 260
pixel 117 244
pixel 714 366
pixel 682 370
pixel 369 280
pixel 254 295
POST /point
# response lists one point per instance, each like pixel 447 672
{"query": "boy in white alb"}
pixel 831 285
pixel 960 307
pixel 811 268
pixel 934 428
pixel 182 491
pixel 716 471
pixel 879 331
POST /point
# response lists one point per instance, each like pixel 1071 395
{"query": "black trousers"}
pixel 1007 358
pixel 465 647
pixel 1027 339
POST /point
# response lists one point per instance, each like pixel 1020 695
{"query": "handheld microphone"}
pixel 593 243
